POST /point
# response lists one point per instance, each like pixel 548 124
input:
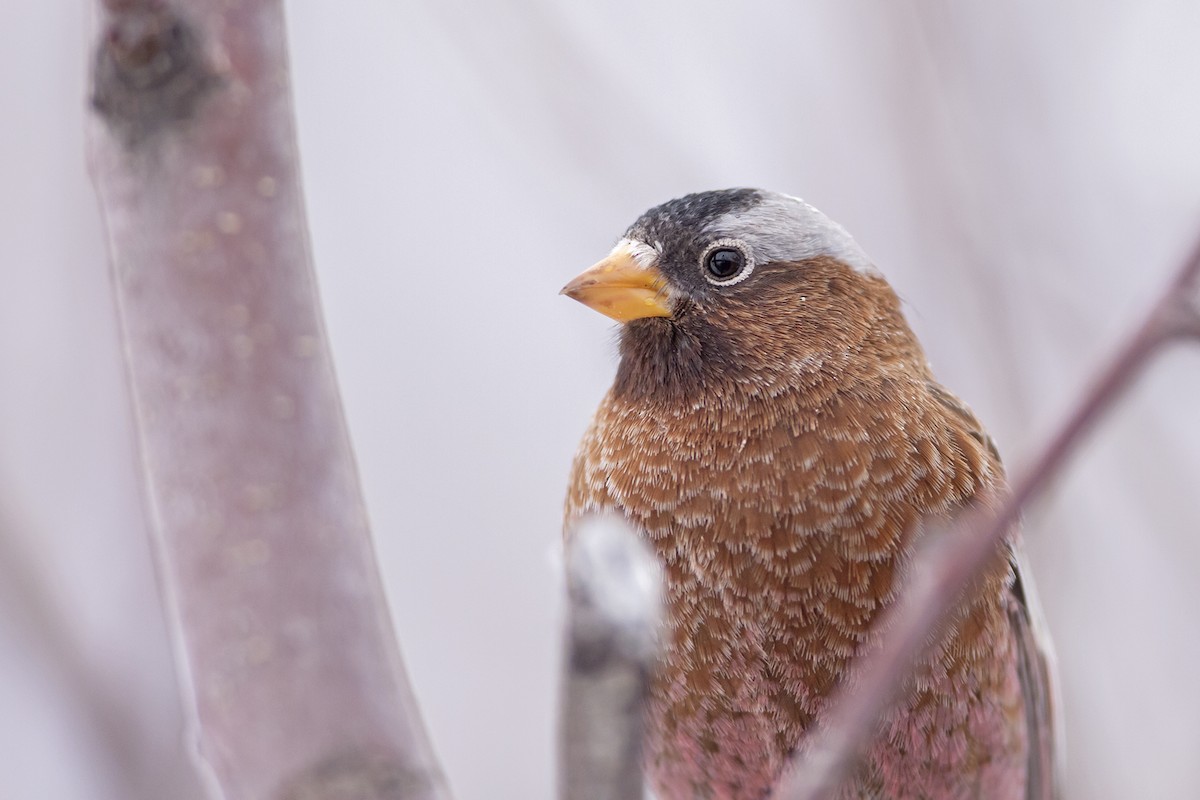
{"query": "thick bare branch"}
pixel 942 571
pixel 614 583
pixel 294 677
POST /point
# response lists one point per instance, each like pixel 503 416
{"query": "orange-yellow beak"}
pixel 621 288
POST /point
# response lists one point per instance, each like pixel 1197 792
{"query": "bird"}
pixel 775 434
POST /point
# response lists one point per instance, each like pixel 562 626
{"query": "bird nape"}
pixel 775 433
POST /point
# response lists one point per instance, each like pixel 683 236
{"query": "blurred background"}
pixel 1027 176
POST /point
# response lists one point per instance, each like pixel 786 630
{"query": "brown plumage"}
pixel 775 432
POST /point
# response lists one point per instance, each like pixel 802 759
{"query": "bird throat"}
pixel 666 362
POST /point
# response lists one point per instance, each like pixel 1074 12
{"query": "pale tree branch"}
pixel 943 570
pixel 613 617
pixel 292 674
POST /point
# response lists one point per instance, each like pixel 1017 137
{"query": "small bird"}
pixel 775 433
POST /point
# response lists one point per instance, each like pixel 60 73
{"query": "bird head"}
pixel 740 288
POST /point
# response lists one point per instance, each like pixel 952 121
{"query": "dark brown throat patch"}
pixel 667 362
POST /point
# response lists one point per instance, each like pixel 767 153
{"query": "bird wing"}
pixel 1035 652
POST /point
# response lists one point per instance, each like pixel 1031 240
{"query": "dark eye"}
pixel 724 264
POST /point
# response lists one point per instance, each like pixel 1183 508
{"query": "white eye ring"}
pixel 727 244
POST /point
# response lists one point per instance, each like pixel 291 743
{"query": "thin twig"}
pixel 942 572
pixel 614 585
pixel 292 675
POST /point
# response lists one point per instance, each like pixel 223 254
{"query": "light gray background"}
pixel 1026 175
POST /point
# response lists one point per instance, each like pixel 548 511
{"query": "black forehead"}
pixel 685 217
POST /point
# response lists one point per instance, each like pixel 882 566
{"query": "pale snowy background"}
pixel 1026 174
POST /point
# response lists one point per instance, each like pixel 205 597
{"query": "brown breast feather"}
pixel 783 525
